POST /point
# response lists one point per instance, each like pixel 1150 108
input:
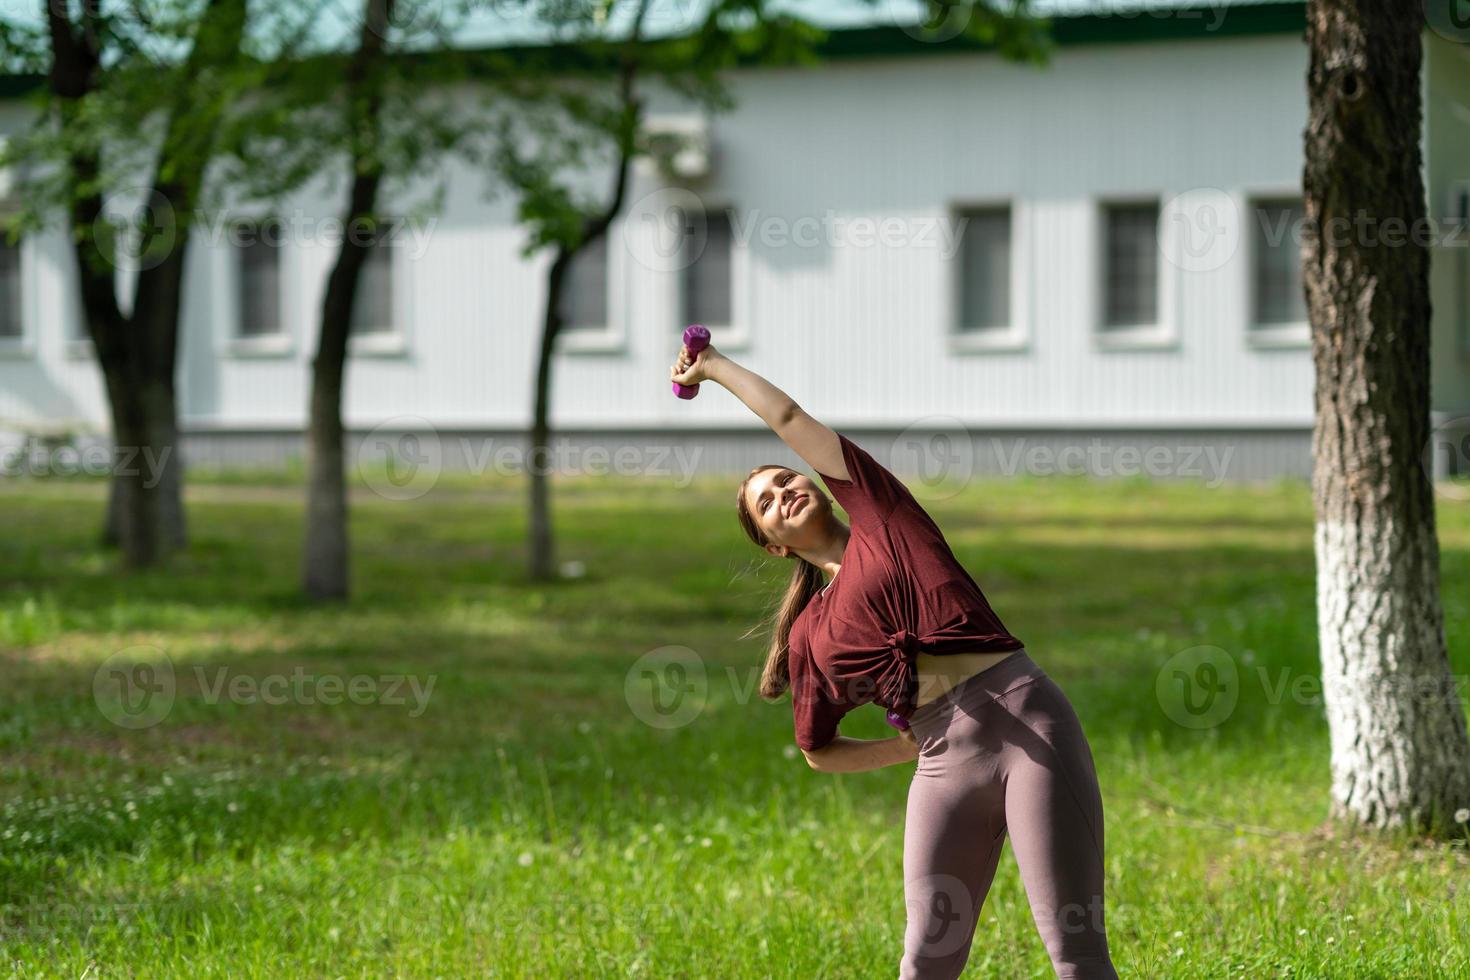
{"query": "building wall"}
pixel 1447 128
pixel 856 332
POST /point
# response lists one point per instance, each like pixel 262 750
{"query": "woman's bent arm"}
pixel 845 754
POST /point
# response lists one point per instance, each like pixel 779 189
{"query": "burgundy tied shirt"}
pixel 900 590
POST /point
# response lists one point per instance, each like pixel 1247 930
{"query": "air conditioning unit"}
pixel 679 146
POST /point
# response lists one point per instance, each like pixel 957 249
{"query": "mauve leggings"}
pixel 1003 750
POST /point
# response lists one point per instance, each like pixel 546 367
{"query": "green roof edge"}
pixel 1162 24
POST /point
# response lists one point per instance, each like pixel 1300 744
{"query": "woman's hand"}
pixel 907 735
pixel 691 369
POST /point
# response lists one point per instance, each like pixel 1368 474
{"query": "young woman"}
pixel 901 624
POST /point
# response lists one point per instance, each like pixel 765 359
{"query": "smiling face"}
pixel 786 507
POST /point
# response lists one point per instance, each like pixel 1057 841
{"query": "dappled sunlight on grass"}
pixel 516 814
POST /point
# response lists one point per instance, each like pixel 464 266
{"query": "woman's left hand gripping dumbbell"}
pixel 691 369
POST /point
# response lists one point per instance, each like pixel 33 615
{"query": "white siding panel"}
pixel 857 333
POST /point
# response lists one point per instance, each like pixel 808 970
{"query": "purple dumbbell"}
pixel 696 338
pixel 898 721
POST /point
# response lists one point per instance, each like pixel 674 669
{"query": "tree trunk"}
pixel 542 556
pixel 324 568
pixel 133 506
pixel 324 563
pixel 145 511
pixel 325 559
pixel 1400 755
pixel 138 353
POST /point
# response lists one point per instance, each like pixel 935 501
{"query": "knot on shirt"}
pixel 905 642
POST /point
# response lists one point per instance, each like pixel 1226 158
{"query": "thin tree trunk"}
pixel 1400 755
pixel 542 564
pixel 325 570
pixel 325 573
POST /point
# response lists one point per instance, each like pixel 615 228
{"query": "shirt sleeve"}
pixel 872 492
pixel 814 712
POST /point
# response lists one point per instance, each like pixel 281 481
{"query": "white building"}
pixel 911 237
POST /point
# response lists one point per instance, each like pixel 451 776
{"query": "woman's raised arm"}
pixel 807 437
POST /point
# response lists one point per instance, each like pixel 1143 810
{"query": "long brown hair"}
pixel 806 581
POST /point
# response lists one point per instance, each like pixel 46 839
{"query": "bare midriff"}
pixel 940 675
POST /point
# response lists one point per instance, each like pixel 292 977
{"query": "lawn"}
pixel 462 774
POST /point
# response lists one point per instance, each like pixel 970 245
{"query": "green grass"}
pixel 527 823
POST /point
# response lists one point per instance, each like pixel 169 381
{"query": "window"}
pixel 10 285
pixel 372 307
pixel 708 276
pixel 259 255
pixel 985 270
pixel 1277 294
pixel 584 289
pixel 1131 265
